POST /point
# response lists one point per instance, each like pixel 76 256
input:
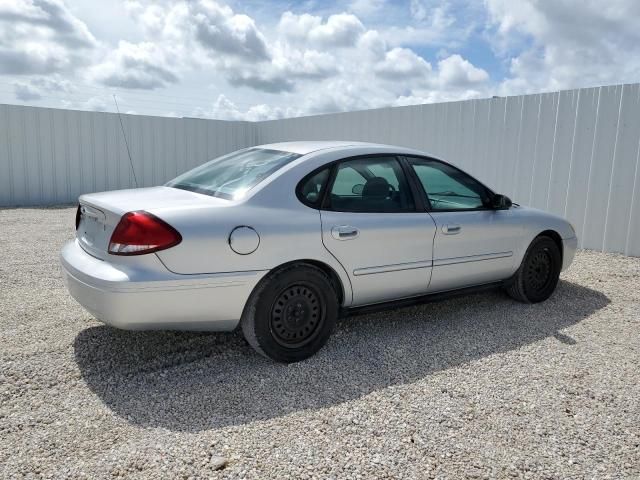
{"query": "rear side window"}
pixel 311 188
pixel 374 184
pixel 232 175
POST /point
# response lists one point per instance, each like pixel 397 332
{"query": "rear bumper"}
pixel 131 299
pixel 570 246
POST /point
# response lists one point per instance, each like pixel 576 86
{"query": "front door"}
pixel 370 224
pixel 474 244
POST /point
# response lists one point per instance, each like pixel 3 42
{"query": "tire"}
pixel 291 313
pixel 538 275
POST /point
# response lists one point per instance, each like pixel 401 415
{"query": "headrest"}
pixel 376 187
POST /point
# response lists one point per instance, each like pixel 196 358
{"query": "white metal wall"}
pixel 575 153
pixel 50 156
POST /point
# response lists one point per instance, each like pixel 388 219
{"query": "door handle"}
pixel 344 232
pixel 451 229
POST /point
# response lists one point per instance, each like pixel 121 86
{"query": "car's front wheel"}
pixel 537 277
pixel 291 313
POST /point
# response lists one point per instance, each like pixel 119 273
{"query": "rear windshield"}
pixel 232 175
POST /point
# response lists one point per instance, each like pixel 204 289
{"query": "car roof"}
pixel 310 146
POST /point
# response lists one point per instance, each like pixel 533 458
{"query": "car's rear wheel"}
pixel 537 277
pixel 291 313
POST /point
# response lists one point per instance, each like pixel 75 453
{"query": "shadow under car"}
pixel 195 381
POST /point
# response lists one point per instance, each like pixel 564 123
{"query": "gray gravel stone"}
pixel 218 463
pixel 478 386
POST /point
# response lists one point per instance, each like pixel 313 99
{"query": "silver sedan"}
pixel 281 239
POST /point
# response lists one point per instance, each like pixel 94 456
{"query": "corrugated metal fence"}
pixel 50 156
pixel 575 153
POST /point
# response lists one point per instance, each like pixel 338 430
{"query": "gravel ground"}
pixel 478 386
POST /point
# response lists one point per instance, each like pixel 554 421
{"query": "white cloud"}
pixel 288 66
pixel 437 17
pixel 455 71
pixel 313 62
pixel 344 94
pixel 225 109
pixel 372 45
pixel 270 82
pixel 26 92
pixel 402 63
pixel 316 64
pixel 209 25
pixel 340 30
pixel 41 37
pixel 137 66
pixel 364 8
pixel 566 44
pixel 220 30
pixel 429 25
pixel 186 37
pixel 37 87
pixel 98 104
pixel 305 64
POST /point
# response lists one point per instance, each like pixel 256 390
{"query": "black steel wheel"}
pixel 291 313
pixel 296 315
pixel 539 271
pixel 537 277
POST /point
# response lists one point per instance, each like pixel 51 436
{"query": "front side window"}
pixel 449 188
pixel 375 184
pixel 232 175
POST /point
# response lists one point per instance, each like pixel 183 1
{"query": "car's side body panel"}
pixel 534 222
pixel 289 232
pixel 388 257
pixel 474 247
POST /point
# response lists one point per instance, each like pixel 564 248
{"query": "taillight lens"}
pixel 139 233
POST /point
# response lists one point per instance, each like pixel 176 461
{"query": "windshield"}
pixel 232 175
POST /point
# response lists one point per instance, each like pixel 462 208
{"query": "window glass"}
pixel 311 188
pixel 375 184
pixel 386 171
pixel 448 188
pixel 346 178
pixel 232 175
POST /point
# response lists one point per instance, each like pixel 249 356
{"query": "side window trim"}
pixel 420 197
pixel 325 204
pixel 414 175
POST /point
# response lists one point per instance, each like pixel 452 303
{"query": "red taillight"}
pixel 141 232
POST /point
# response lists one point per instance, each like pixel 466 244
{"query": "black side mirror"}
pixel 500 202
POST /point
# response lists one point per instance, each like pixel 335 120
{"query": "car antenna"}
pixel 135 179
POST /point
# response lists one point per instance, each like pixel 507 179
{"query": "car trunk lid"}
pixel 100 213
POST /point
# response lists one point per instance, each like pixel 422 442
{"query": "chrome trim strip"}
pixel 393 268
pixel 471 258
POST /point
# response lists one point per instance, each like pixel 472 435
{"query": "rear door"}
pixel 371 226
pixel 473 244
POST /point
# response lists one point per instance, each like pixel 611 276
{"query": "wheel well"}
pixel 555 236
pixel 330 272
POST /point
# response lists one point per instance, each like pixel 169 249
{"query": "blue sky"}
pixel 267 59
